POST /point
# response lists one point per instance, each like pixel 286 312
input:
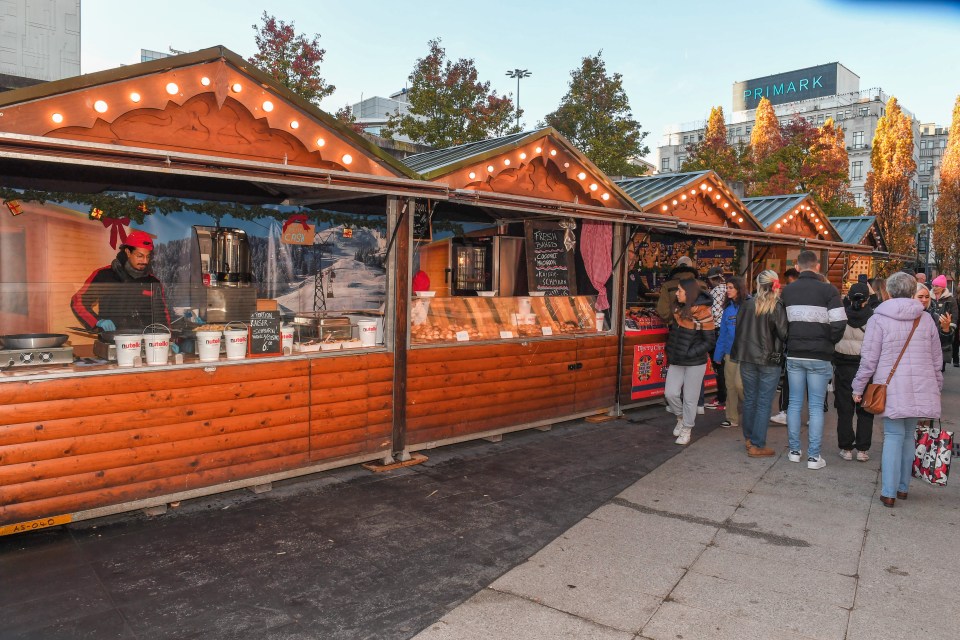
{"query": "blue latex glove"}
pixel 195 319
pixel 106 325
pixel 174 347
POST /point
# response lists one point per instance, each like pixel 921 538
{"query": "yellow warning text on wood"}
pixel 34 525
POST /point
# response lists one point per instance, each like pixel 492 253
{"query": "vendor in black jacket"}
pixel 123 295
pixel 684 270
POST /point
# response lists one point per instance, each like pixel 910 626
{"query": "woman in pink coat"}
pixel 914 390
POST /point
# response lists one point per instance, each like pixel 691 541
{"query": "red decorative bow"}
pixel 298 218
pixel 117 231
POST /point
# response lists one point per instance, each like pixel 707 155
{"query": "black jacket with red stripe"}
pixel 131 303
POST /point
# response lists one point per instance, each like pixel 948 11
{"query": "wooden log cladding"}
pixel 86 442
pixel 351 405
pixel 457 391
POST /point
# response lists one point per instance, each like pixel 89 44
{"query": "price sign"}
pixel 550 267
pixel 265 334
pixel 422 220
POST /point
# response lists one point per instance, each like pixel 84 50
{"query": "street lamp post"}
pixel 519 74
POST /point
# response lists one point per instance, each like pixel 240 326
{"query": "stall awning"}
pixel 211 102
pixel 796 214
pixel 700 201
pixel 533 165
pixel 862 230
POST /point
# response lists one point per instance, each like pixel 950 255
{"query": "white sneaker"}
pixel 780 418
pixel 676 429
pixel 846 454
pixel 793 456
pixel 684 437
pixel 700 411
pixel 816 463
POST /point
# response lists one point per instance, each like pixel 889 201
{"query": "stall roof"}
pixel 539 164
pixel 685 196
pixel 210 102
pixel 858 229
pixel 785 214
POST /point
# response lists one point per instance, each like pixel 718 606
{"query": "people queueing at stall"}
pixel 816 335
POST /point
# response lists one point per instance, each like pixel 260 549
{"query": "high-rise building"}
pixel 39 39
pixel 815 94
pixel 372 113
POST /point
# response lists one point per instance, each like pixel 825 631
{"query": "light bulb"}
pixel 347 158
pixel 472 175
pixel 100 106
pixel 553 152
pixel 523 156
pixel 57 118
pixel 134 97
pixel 506 162
pixel 172 88
pixel 205 81
pixel 538 149
pixel 267 106
pixel 294 125
pixel 489 168
pixel 605 196
pixel 674 203
pixel 683 197
pixel 582 175
pixel 663 208
pixel 321 142
pixel 236 87
pixel 593 187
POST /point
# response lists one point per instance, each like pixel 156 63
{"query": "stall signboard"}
pixel 550 265
pixel 422 220
pixel 265 334
pixel 297 230
pixel 648 376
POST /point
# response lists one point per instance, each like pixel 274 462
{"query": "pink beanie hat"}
pixel 940 281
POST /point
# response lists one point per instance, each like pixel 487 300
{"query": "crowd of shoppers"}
pixel 805 336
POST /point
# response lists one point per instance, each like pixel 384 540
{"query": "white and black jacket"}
pixel 816 316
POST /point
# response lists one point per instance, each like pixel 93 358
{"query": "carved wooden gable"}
pixel 805 220
pixel 706 201
pixel 212 108
pixel 543 168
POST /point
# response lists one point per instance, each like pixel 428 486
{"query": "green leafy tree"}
pixel 449 106
pixel 292 59
pixel 595 116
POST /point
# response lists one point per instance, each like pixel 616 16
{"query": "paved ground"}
pixel 347 554
pixel 713 544
pixel 586 531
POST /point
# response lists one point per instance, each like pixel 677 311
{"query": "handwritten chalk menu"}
pixel 265 333
pixel 422 225
pixel 550 266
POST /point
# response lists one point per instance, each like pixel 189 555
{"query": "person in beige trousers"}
pixel 736 294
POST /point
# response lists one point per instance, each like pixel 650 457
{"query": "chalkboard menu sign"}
pixel 422 224
pixel 265 333
pixel 550 266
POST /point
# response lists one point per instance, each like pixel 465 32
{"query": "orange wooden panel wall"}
pixel 73 444
pixel 457 391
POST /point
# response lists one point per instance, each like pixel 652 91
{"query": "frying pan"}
pixel 33 340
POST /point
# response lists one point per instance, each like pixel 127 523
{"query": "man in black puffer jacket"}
pixel 816 321
pixel 684 270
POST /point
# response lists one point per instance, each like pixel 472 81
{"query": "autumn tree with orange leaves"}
pixel 826 171
pixel 946 226
pixel 888 193
pixel 714 152
pixel 766 140
pixel 290 58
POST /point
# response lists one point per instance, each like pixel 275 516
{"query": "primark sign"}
pixel 803 84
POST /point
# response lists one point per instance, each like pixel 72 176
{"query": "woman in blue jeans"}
pixel 900 325
pixel 758 347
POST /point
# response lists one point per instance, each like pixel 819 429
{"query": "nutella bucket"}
pixel 157 344
pixel 208 345
pixel 128 348
pixel 236 340
pixel 286 339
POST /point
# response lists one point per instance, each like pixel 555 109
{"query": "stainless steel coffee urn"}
pixel 220 267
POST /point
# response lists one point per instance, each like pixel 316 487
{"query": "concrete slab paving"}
pixel 775 610
pixel 492 614
pixel 778 577
pixel 675 620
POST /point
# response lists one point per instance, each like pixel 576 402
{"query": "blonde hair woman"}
pixel 758 346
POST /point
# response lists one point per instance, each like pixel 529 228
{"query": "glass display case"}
pixel 467 319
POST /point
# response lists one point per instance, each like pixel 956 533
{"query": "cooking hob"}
pixel 34 357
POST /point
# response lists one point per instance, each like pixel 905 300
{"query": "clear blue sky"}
pixel 678 58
